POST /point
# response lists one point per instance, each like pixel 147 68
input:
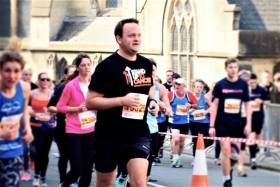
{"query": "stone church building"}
pixel 191 37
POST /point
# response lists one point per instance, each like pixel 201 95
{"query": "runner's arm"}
pixel 193 100
pixel 208 102
pixel 96 101
pixel 213 113
pixel 27 132
pixel 249 112
pixel 164 98
pixel 62 105
pixel 25 117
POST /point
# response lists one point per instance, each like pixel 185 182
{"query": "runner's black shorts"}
pixel 183 128
pixel 257 125
pixel 228 129
pixel 108 154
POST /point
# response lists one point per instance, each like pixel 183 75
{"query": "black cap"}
pixel 176 76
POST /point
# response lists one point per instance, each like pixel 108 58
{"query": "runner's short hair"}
pixel 230 61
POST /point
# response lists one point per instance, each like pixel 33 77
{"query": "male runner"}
pixel 169 80
pixel 119 90
pixel 258 97
pixel 229 94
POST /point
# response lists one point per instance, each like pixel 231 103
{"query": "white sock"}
pixel 175 156
pixel 179 157
pixel 225 178
pixel 253 159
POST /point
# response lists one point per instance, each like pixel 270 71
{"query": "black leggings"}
pixel 25 156
pixel 42 142
pixel 80 154
pixel 60 139
pixel 153 151
pixel 162 127
pixel 202 128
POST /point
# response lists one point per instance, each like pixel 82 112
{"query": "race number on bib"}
pixel 43 116
pixel 10 122
pixel 232 106
pixel 87 119
pixel 138 112
pixel 181 110
pixel 256 107
pixel 198 114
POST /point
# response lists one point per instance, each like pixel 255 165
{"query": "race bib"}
pixel 256 107
pixel 43 116
pixel 232 106
pixel 181 110
pixel 198 114
pixel 10 122
pixel 87 119
pixel 138 112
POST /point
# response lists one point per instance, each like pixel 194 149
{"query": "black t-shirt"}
pixel 60 117
pixel 116 77
pixel 230 95
pixel 258 93
pixel 167 86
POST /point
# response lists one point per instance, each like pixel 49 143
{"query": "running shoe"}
pixel 44 184
pixel 152 180
pixel 121 181
pixel 192 163
pixel 254 165
pixel 227 183
pixel 174 162
pixel 241 173
pixel 36 182
pixel 160 153
pixel 179 163
pixel 217 162
pixel 74 185
pixel 156 162
pixel 25 176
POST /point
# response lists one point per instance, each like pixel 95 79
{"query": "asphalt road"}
pixel 179 177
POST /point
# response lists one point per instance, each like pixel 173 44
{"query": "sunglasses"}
pixel 45 79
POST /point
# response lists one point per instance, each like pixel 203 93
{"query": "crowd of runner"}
pixel 109 121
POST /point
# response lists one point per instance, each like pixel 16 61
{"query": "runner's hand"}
pixel 171 114
pixel 154 108
pixel 259 101
pixel 82 107
pixel 161 104
pixel 131 100
pixel 27 135
pixel 212 132
pixel 247 129
pixel 9 133
pixel 188 105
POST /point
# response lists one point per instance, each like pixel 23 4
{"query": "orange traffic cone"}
pixel 200 173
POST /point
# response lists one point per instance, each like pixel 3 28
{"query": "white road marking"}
pixel 156 185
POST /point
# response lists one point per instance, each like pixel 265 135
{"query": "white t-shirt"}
pixel 84 89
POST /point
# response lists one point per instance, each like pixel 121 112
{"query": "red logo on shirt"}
pixel 231 91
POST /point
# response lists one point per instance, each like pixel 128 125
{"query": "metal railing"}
pixel 271 131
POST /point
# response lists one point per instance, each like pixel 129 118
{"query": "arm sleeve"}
pixel 216 91
pixel 265 96
pixel 55 97
pixel 100 79
pixel 192 98
pixel 246 96
pixel 64 99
